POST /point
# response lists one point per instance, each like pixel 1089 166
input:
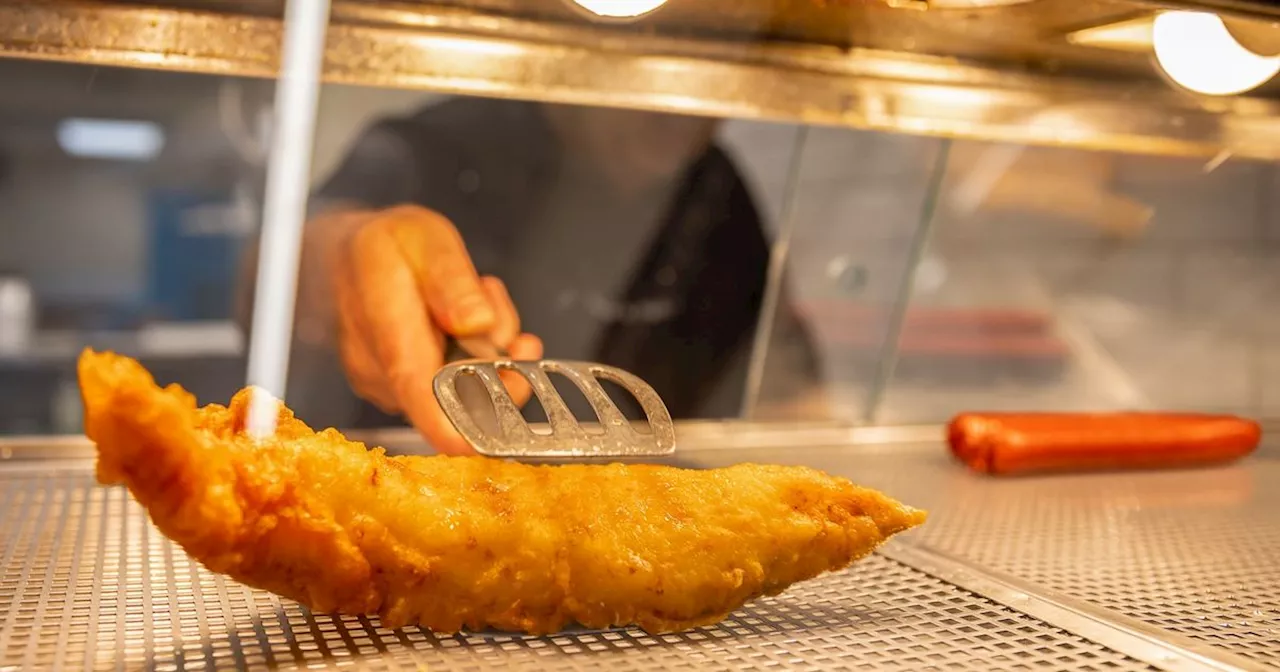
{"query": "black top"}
pixel 692 296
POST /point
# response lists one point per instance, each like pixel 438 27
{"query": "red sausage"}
pixel 1011 443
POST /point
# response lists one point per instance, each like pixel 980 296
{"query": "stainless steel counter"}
pixel 1169 570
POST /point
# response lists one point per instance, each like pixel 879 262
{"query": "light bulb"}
pixel 620 8
pixel 1197 52
pixel 119 139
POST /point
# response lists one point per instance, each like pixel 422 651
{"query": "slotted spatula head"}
pixel 513 437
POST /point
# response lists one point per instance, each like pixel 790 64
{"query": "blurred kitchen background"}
pixel 1036 277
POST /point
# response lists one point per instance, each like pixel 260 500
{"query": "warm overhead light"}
pixel 111 139
pixel 620 8
pixel 1197 52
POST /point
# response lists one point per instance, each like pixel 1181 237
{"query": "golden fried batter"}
pixel 454 542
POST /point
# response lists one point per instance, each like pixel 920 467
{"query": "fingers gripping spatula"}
pixel 512 436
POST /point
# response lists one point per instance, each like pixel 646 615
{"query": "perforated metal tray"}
pixel 1193 555
pixel 87 583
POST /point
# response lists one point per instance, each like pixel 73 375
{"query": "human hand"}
pixel 403 283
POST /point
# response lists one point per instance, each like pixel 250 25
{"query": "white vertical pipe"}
pixel 284 208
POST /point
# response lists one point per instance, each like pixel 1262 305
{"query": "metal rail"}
pixel 1116 631
pixel 887 361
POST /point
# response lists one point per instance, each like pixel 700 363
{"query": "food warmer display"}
pixel 1058 206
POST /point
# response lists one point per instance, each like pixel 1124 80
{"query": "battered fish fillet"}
pixel 468 542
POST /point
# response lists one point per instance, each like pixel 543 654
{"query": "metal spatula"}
pixel 511 435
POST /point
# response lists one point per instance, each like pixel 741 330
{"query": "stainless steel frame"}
pixel 454 50
pixel 887 362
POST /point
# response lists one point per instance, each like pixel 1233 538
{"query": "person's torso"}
pixel 666 285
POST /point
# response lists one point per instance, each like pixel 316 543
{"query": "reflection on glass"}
pixel 124 206
pixel 1054 279
pixel 625 237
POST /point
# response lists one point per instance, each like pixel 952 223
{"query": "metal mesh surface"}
pixel 87 583
pixel 1195 552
